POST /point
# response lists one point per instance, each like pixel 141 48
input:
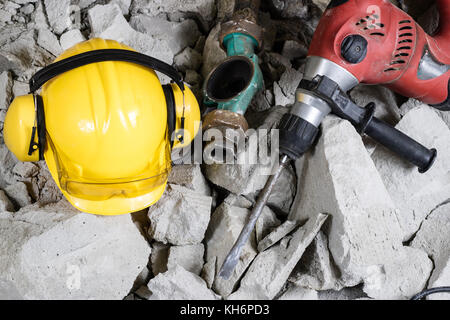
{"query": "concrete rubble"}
pixel 349 221
pixel 86 256
pixel 365 238
pixel 179 284
pixel 225 226
pixel 433 239
pixel 271 268
pixel 189 257
pixel 181 217
pixel 415 194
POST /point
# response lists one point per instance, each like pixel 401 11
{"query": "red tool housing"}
pixel 399 52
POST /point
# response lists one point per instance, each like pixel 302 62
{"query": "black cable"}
pixel 428 292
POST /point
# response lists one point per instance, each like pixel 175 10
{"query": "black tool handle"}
pixel 401 144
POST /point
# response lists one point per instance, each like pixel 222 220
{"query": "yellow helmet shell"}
pixel 18 128
pixel 107 133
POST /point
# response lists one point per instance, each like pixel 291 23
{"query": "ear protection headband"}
pixel 60 67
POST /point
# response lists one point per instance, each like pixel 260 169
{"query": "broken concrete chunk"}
pixel 384 99
pixel 20 88
pixel 159 257
pixel 189 257
pixel 277 234
pixel 285 89
pixel 365 237
pixel 108 22
pixel 124 5
pixel 225 227
pixel 71 38
pixel 5 203
pixel 179 35
pixel 86 256
pixel 270 270
pixel 58 14
pixel 181 217
pixel 142 279
pixel 48 41
pixel 316 269
pixel 19 193
pixel 188 59
pixel 190 176
pixel 213 54
pixel 297 293
pixel 433 239
pixel 205 9
pixel 179 284
pixel 266 224
pixel 351 293
pixel 6 85
pixel 414 193
pixel 26 169
pixel 209 272
pixel 294 49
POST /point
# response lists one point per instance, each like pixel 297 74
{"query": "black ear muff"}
pixel 171 110
pixel 38 128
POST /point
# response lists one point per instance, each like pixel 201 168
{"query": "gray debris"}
pixel 225 226
pixel 188 59
pixel 209 272
pixel 385 101
pixel 294 49
pixel 322 4
pixel 417 194
pixel 108 22
pixel 189 257
pixel 205 9
pixel 58 14
pixel 285 89
pixel 181 217
pixel 18 192
pixel 190 176
pixel 86 256
pixel 71 38
pixel 270 270
pixel 179 284
pixel 365 237
pixel 124 5
pixel 213 54
pixel 279 233
pixel 316 269
pixel 26 169
pixel 224 229
pixel 159 257
pixel 5 203
pixel 6 84
pixel 179 35
pixel 47 40
pixel 20 88
pixel 297 293
pixel 433 239
pixel 352 293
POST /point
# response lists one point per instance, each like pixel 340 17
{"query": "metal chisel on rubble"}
pixel 370 42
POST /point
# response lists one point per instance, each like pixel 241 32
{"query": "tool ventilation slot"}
pixel 406 35
pixel 369 23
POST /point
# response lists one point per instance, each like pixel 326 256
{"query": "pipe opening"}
pixel 229 79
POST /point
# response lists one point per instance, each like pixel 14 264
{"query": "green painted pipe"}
pixel 232 86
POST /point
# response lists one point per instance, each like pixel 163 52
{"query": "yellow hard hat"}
pixel 103 122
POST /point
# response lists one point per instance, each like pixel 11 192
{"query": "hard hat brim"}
pixel 109 207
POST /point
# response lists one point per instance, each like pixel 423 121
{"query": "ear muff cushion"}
pixel 171 111
pixel 41 128
pixel 18 127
